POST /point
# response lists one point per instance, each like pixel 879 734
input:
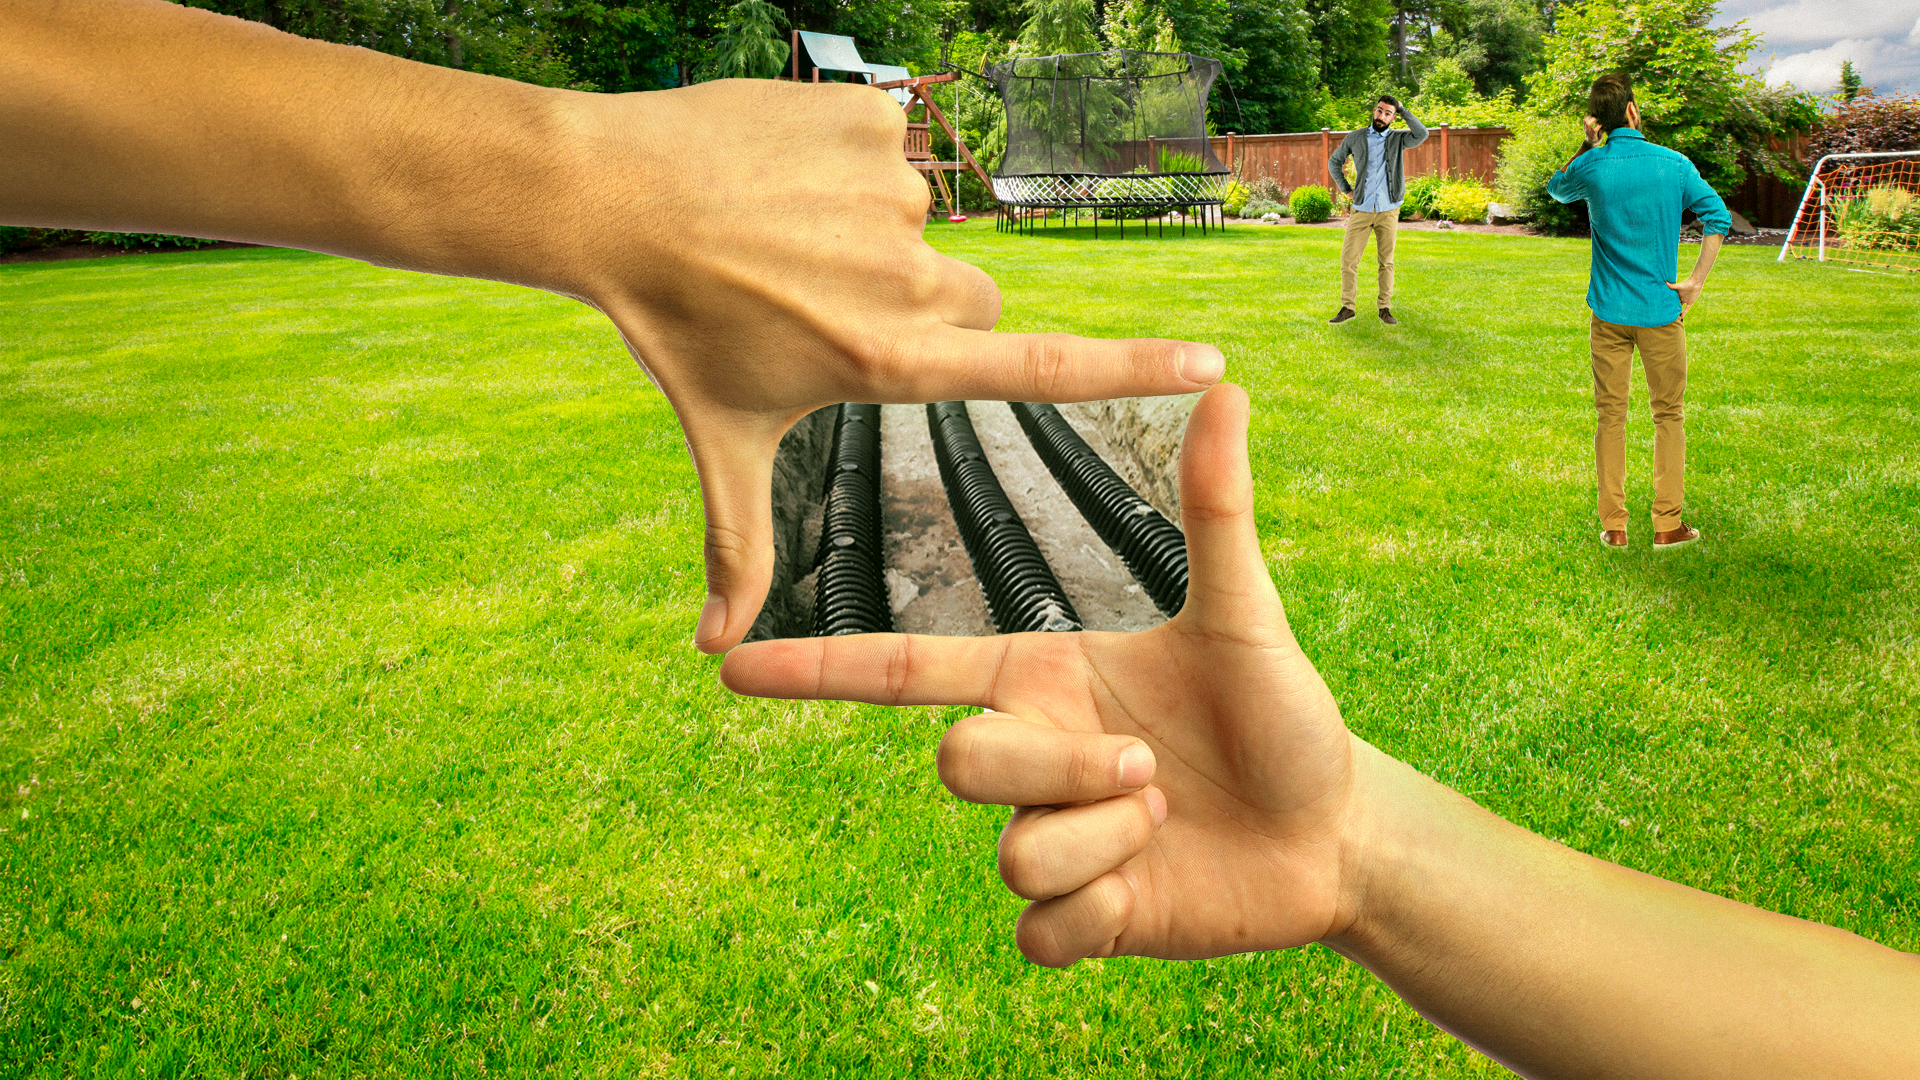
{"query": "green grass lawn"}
pixel 349 727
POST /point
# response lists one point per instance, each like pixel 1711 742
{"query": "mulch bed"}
pixel 102 251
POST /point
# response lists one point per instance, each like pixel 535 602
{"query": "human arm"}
pixel 1335 168
pixel 1715 222
pixel 140 115
pixel 1691 286
pixel 1416 131
pixel 1191 791
pixel 1565 185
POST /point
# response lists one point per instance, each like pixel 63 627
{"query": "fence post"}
pixel 1232 168
pixel 1326 151
pixel 1446 156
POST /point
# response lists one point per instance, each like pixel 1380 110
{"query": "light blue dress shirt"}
pixel 1375 185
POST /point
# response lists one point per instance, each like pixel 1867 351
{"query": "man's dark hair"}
pixel 1608 100
pixel 1388 99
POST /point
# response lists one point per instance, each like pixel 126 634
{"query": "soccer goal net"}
pixel 1861 209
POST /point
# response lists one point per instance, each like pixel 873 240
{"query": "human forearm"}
pixel 1559 964
pixel 1709 251
pixel 145 116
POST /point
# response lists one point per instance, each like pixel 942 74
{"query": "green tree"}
pixel 750 44
pixel 1139 24
pixel 1850 85
pixel 1686 75
pixel 1054 27
pixel 1352 35
pixel 1277 83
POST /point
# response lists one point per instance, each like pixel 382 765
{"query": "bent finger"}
pixel 1004 760
pixel 968 297
pixel 1086 922
pixel 1046 853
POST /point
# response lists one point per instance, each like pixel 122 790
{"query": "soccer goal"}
pixel 1862 209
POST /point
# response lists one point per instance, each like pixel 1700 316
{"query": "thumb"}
pixel 736 492
pixel 1228 579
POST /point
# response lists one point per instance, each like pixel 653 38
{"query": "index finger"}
pixel 951 362
pixel 881 669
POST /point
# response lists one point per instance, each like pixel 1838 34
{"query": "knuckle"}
pixel 725 545
pixel 1022 864
pixel 958 758
pixel 1039 940
pixel 1046 366
pixel 899 668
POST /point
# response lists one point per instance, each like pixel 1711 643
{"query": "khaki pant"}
pixel 1384 226
pixel 1663 356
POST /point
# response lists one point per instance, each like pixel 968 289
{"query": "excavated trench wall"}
pixel 1139 437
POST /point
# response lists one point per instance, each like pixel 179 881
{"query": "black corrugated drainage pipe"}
pixel 850 587
pixel 1144 539
pixel 1022 593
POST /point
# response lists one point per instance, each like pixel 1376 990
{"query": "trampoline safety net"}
pixel 1121 129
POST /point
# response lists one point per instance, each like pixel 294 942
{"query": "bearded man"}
pixel 1380 187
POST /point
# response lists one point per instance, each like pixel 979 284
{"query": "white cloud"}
pixel 1817 22
pixel 1805 41
pixel 1885 66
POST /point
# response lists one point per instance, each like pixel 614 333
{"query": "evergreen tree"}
pixel 1850 84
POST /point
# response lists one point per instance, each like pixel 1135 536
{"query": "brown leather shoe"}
pixel 1614 539
pixel 1387 317
pixel 1341 316
pixel 1685 534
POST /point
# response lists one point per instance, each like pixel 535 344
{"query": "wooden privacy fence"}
pixel 1300 157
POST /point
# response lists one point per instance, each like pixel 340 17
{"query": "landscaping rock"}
pixel 1741 226
pixel 1502 214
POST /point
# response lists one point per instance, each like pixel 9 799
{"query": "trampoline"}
pixel 1122 134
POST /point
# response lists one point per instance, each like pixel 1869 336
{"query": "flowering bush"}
pixel 1462 200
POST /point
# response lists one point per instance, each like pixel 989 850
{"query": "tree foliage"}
pixel 1686 75
pixel 1867 125
pixel 750 44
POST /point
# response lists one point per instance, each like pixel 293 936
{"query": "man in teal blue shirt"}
pixel 1635 193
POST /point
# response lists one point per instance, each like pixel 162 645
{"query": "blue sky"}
pixel 1805 40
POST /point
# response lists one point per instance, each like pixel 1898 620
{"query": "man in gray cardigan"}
pixel 1377 194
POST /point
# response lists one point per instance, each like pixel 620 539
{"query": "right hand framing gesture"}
pixel 1190 791
pixel 1248 757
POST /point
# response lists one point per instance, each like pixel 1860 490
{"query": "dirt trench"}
pixel 930 582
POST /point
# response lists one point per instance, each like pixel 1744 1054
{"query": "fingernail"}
pixel 1136 767
pixel 1202 364
pixel 713 619
pixel 1157 804
pixel 1127 876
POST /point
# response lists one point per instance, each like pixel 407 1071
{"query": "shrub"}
pixel 1462 200
pixel 1266 187
pixel 1885 219
pixel 1258 207
pixel 1420 192
pixel 1528 162
pixel 1179 161
pixel 1236 198
pixel 1866 125
pixel 12 238
pixel 129 240
pixel 1311 204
